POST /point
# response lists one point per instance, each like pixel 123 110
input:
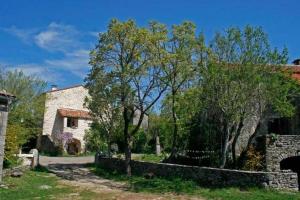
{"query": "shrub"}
pixel 15 137
pixel 254 160
pixel 141 143
pixel 94 141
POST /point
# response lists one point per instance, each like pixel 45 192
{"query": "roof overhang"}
pixel 68 112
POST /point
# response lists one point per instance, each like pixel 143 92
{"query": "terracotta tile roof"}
pixel 67 112
pixel 295 70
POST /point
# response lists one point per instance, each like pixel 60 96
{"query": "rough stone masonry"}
pixel 206 176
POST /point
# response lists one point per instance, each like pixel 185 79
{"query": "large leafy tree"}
pixel 126 65
pixel 107 116
pixel 243 79
pixel 179 69
pixel 26 113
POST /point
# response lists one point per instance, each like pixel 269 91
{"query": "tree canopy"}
pixel 221 84
pixel 26 113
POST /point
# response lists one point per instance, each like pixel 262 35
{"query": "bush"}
pixel 15 137
pixel 254 160
pixel 141 143
pixel 94 141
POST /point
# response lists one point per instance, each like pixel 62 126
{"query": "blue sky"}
pixel 52 38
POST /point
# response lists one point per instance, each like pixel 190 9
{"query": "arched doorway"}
pixel 292 163
pixel 74 146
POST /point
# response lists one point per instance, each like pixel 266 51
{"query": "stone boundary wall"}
pixel 206 176
pixel 279 148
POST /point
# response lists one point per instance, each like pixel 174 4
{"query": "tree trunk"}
pixel 3 123
pixel 127 139
pixel 225 148
pixel 238 133
pixel 128 157
pixel 109 148
pixel 175 127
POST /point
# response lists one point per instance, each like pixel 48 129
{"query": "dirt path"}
pixel 79 176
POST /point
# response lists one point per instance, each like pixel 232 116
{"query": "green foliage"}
pixel 26 113
pixel 242 79
pixel 126 74
pixel 94 138
pixel 246 46
pixel 141 142
pixel 150 157
pixel 16 136
pixel 236 77
pixel 179 71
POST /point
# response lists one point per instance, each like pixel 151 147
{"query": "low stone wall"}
pixel 206 176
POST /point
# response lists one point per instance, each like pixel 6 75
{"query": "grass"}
pixel 149 157
pixel 29 187
pixel 179 186
pixel 38 185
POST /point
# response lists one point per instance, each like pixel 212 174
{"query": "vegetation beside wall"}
pixel 25 118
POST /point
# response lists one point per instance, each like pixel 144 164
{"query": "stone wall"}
pixel 207 176
pixel 280 147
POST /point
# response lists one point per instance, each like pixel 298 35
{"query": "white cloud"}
pixel 58 37
pixel 76 62
pixel 40 71
pixel 25 35
pixel 94 33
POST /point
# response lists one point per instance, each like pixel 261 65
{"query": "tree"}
pixel 179 69
pixel 101 102
pixel 26 113
pixel 127 62
pixel 243 79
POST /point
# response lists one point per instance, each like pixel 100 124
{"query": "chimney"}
pixel 296 62
pixel 53 87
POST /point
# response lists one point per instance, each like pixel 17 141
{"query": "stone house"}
pixel 65 113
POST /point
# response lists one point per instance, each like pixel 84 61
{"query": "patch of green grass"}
pixel 149 158
pixel 29 187
pixel 37 184
pixel 179 186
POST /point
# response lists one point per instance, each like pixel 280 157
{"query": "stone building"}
pixel 65 113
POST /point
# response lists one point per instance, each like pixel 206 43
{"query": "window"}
pixel 72 122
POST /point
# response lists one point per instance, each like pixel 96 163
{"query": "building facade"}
pixel 65 113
